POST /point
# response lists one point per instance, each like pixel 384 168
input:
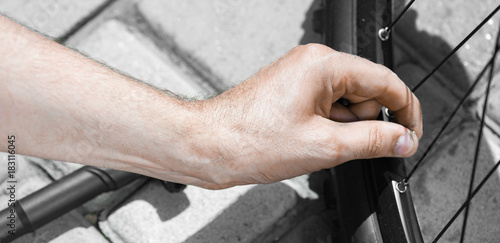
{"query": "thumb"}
pixel 373 139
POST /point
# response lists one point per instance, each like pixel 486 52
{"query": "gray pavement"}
pixel 234 39
pixel 53 18
pixel 200 48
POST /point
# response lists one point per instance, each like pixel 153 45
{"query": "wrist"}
pixel 158 137
pixel 174 143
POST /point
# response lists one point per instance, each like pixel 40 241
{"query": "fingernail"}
pixel 404 145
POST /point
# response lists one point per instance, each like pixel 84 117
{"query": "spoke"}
pixel 467 202
pixel 456 49
pixel 384 33
pixel 462 101
pixel 478 142
pixel 389 27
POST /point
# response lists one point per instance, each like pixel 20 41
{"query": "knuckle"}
pixel 331 147
pixel 334 153
pixel 313 50
pixel 375 142
pixel 386 73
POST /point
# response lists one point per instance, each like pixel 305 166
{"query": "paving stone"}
pixel 493 110
pixel 3 167
pixel 28 176
pixel 492 119
pixel 312 229
pixel 56 169
pixel 493 143
pixel 237 214
pixel 435 28
pixel 233 38
pixel 301 185
pixel 71 227
pixel 81 235
pixel 118 46
pixel 440 187
pixel 53 17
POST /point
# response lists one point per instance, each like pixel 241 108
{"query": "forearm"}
pixel 61 105
pixel 282 122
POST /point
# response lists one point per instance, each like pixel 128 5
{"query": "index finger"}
pixel 360 77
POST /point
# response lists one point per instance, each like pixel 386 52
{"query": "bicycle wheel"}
pixel 366 207
pixel 370 209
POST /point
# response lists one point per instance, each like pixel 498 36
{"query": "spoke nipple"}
pixel 388 113
pixel 402 186
pixel 383 33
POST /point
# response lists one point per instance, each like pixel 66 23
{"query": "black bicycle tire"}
pixel 368 209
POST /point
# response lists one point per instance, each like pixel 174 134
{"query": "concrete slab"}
pixel 55 169
pixel 71 227
pixel 28 176
pixel 54 18
pixel 118 46
pixel 197 215
pixel 440 187
pixel 447 23
pixel 492 119
pixel 313 229
pixel 234 39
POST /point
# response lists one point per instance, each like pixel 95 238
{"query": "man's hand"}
pixel 285 120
